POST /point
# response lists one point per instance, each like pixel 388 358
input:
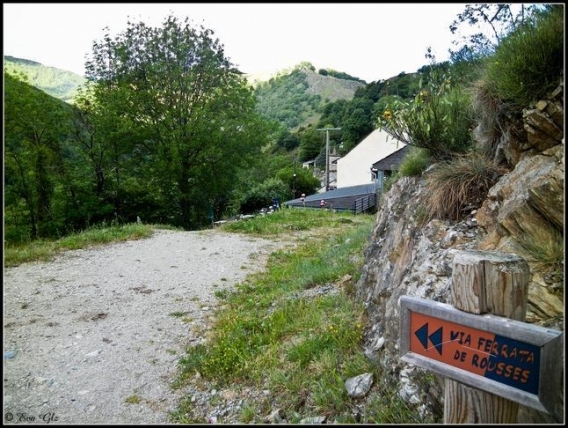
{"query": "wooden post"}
pixel 494 283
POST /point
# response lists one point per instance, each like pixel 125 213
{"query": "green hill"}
pixel 295 97
pixel 58 83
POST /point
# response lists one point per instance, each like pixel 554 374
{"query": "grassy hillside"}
pixel 295 97
pixel 58 83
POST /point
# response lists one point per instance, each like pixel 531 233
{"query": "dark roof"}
pixel 391 162
pixel 342 198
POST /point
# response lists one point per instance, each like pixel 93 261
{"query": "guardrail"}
pixel 362 204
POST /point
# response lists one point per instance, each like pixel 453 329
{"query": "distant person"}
pixel 323 203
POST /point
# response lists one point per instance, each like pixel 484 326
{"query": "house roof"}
pixel 341 199
pixel 391 162
pixel 354 168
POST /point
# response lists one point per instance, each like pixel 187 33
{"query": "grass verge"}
pixel 42 250
pixel 295 329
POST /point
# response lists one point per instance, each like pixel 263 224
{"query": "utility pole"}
pixel 295 179
pixel 327 156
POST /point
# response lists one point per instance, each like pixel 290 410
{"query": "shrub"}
pixel 545 251
pixel 529 62
pixel 416 161
pixel 439 119
pixel 459 185
pixel 261 195
pixel 389 181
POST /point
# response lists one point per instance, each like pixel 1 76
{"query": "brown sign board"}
pixel 515 360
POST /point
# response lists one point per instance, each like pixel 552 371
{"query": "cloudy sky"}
pixel 371 41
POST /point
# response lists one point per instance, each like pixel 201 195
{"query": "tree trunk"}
pixel 43 190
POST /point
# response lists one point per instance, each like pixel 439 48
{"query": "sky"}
pixel 370 41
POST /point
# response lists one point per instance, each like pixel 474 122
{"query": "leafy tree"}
pixel 116 165
pixel 305 65
pixel 339 75
pixel 288 141
pixel 261 195
pixel 358 123
pixel 182 106
pixel 298 181
pixel 34 127
pixel 312 142
pixel 334 112
pixel 493 20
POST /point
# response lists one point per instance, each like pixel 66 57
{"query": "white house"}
pixel 355 167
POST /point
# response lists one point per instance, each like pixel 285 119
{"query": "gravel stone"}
pixel 96 326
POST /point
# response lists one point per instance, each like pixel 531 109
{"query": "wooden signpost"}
pixel 490 361
pixel 505 357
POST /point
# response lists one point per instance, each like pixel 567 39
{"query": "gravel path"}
pixel 92 328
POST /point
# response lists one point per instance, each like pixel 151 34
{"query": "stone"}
pixel 10 354
pixel 313 420
pixel 359 386
pixel 541 121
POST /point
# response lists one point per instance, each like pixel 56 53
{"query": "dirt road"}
pixel 94 336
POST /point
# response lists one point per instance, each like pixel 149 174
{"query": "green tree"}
pixel 287 140
pixel 34 128
pixel 358 123
pixel 299 180
pixel 186 110
pixel 117 165
pixel 492 20
pixel 312 142
pixel 261 195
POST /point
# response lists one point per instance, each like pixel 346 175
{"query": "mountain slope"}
pixel 295 98
pixel 58 83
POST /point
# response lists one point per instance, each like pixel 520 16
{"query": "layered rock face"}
pixel 409 255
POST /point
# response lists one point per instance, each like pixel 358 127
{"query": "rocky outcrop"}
pixel 409 255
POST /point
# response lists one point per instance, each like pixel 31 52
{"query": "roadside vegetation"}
pixel 46 249
pixel 295 329
pixel 507 75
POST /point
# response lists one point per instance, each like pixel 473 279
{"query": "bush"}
pixel 457 186
pixel 416 161
pixel 545 251
pixel 529 62
pixel 439 119
pixel 261 195
pixel 389 181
